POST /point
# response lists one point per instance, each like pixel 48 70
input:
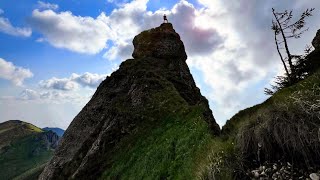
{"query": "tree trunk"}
pixel 284 64
pixel 285 43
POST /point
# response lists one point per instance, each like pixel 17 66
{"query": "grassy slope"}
pixel 241 118
pixel 245 116
pixel 18 156
pixel 171 138
pixel 223 159
pixel 31 173
pixel 259 118
pixel 168 151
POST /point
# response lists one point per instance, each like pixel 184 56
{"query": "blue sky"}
pixel 53 54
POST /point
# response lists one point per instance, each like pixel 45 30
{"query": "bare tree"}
pixel 284 29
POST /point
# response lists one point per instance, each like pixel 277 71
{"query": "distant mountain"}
pixel 24 149
pixel 58 131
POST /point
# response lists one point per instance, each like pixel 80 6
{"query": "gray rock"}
pixel 316 40
pixel 255 173
pixel 160 42
pixel 315 176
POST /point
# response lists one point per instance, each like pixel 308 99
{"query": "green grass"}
pixel 169 150
pixel 20 157
pixel 31 174
pixel 33 128
pixel 243 117
pixel 170 139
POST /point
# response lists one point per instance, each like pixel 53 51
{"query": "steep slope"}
pixel 147 120
pixel 281 134
pixel 277 139
pixel 23 147
pixel 286 125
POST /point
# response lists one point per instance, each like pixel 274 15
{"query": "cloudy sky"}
pixel 53 54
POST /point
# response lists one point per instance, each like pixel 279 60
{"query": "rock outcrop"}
pixel 126 103
pixel 51 139
pixel 316 41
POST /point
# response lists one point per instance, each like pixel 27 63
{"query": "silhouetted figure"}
pixel 165 20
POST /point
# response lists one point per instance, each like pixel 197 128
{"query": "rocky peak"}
pixel 142 93
pixel 50 139
pixel 160 42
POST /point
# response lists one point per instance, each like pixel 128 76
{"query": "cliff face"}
pixel 146 94
pixel 316 41
pixel 51 139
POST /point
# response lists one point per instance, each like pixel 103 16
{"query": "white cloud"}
pixel 129 20
pixel 60 84
pixel 44 5
pixel 41 96
pixel 13 73
pixel 28 94
pixel 88 79
pixel 65 30
pixel 118 2
pixel 90 35
pixel 73 82
pixel 237 72
pixel 43 108
pixel 8 28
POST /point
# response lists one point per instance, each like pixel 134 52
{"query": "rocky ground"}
pixel 280 170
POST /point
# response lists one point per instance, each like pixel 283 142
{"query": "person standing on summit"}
pixel 165 20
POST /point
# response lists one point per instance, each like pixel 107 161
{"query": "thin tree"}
pixel 283 28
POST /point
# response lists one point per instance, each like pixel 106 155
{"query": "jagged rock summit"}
pixel 160 42
pixel 151 98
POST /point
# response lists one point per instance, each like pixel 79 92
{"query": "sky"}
pixel 54 54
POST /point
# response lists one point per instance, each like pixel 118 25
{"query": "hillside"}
pixel 277 139
pixel 15 129
pixel 23 148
